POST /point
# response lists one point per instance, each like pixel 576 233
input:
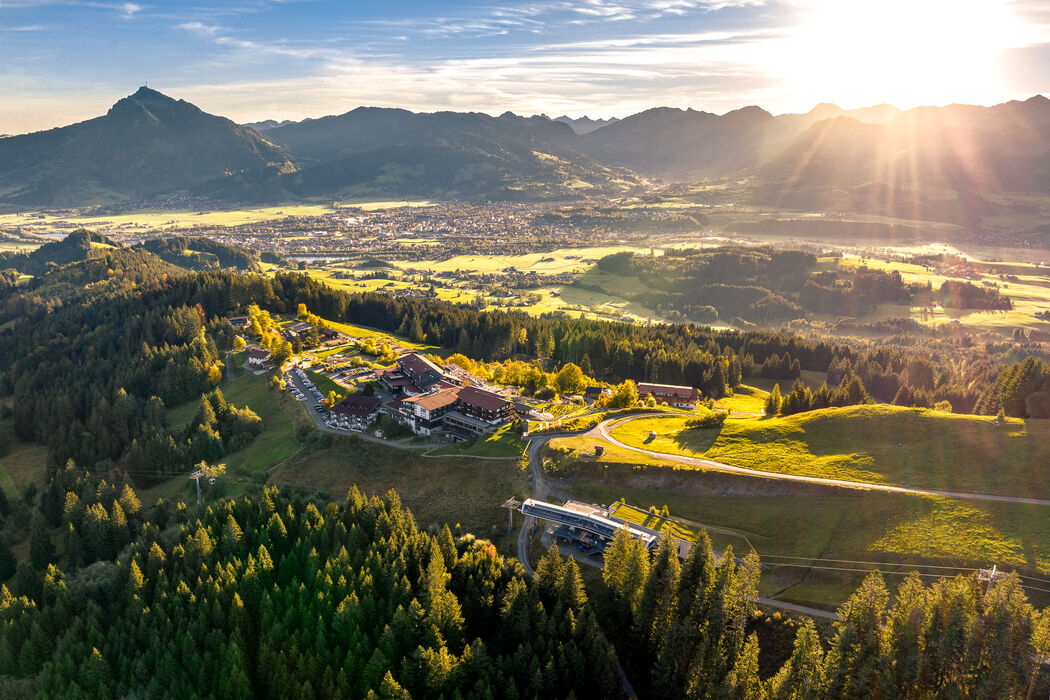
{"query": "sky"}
pixel 63 61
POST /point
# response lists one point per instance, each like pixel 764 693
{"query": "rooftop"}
pixel 686 392
pixel 485 400
pixel 417 364
pixel 434 400
pixel 357 405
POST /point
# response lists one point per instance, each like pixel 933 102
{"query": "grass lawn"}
pixel 237 360
pixel 745 399
pixel 467 492
pixel 324 384
pixel 380 336
pixel 876 443
pixel 25 463
pixel 280 414
pixel 897 532
pixel 505 442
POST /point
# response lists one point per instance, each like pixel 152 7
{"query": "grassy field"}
pixel 280 414
pixel 796 528
pixel 24 464
pixel 152 219
pixel 505 442
pixel 881 444
pixel 464 492
pixel 324 384
pixel 745 399
pixel 380 336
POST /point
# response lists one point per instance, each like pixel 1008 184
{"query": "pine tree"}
pixel 773 402
pixel 8 563
pixel 802 674
pixel 41 551
pixel 743 682
pixel 852 667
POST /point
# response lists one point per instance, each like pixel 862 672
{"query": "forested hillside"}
pixel 278 596
pixel 281 594
pixel 767 285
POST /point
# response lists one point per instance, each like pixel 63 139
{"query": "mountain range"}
pixel 873 159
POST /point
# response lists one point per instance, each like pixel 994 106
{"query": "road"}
pixel 603 432
pixel 319 421
pixel 542 490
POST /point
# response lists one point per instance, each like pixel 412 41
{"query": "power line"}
pixel 863 571
pixel 873 563
pixel 890 573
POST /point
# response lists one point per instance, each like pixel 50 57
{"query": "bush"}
pixel 710 420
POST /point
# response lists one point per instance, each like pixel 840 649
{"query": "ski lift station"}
pixel 587 526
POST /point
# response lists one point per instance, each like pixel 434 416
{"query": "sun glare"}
pixel 906 52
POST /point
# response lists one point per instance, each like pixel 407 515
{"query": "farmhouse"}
pixel 671 395
pixel 356 411
pixel 257 357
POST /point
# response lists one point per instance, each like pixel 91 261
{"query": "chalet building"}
pixel 239 322
pixel 592 393
pixel 477 412
pixel 414 374
pixel 356 411
pixel 257 357
pixel 671 395
pixel 425 413
pixel 330 335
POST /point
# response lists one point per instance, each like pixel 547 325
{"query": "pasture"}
pixel 795 528
pixel 911 447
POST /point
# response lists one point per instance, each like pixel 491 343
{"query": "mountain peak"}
pixel 146 93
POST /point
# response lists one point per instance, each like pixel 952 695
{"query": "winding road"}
pixel 542 489
pixel 603 431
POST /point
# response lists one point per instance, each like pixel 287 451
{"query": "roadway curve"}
pixel 603 431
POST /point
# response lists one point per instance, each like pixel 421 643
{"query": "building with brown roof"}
pixel 670 394
pixel 356 411
pixel 414 374
pixel 424 413
pixel 484 405
pixel 257 357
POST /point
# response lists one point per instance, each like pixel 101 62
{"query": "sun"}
pixel 904 52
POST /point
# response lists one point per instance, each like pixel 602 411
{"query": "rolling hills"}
pixel 951 164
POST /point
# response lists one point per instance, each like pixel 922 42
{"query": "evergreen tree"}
pixel 41 551
pixel 773 402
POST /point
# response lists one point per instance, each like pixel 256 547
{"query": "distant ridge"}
pixel 146 144
pixel 585 125
pixel 942 163
pixel 267 124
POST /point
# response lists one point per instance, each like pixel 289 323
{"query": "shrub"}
pixel 710 420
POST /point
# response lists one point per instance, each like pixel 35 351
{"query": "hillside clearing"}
pixel 917 448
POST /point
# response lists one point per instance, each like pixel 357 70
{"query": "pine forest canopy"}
pixel 281 593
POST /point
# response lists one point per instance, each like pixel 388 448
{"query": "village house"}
pixel 670 394
pixel 257 357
